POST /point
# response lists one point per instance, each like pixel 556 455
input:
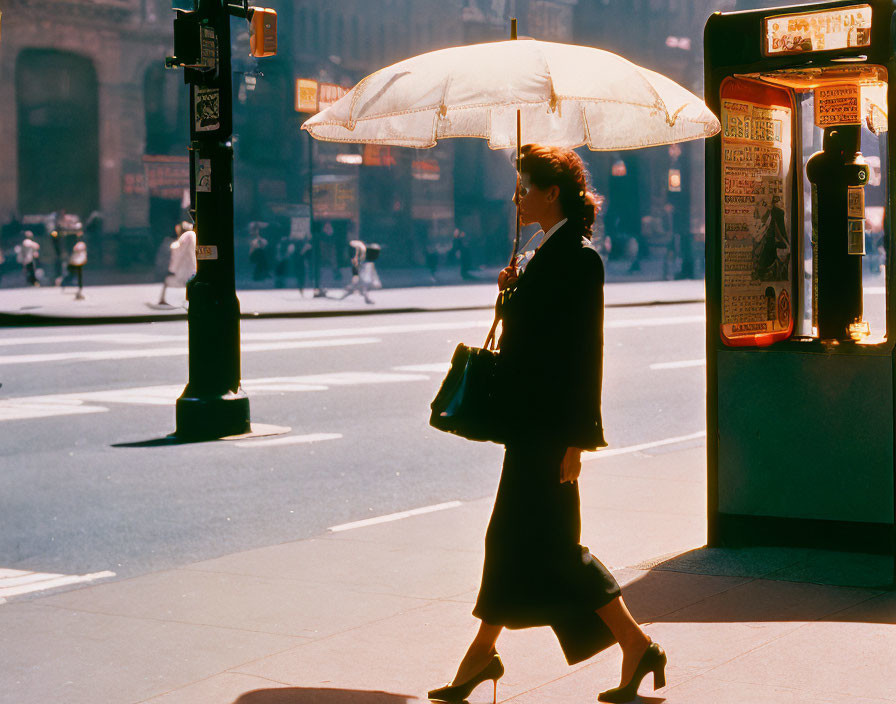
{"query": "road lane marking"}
pixel 643 446
pixel 679 365
pixel 24 409
pixel 165 395
pixel 654 322
pixel 119 339
pixel 17 582
pixel 437 367
pixel 99 355
pixel 289 440
pixel 295 335
pixel 142 338
pixel 394 516
pixel 347 378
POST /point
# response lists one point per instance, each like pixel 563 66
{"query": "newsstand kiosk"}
pixel 800 316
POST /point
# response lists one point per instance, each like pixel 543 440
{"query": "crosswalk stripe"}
pixel 17 582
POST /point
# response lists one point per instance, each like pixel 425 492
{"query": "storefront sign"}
pixel 335 198
pixel 378 155
pixel 167 176
pixel 756 215
pixel 843 28
pixel 306 95
pixel 425 169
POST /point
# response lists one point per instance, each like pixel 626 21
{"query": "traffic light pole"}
pixel 213 405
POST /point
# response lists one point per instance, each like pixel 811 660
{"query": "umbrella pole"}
pixel 516 241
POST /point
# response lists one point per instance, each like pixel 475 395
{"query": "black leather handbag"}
pixel 468 403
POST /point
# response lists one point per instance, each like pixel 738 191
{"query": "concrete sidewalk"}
pixel 379 614
pixel 138 302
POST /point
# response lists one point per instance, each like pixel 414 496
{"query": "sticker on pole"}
pixel 207 109
pixel 203 175
pixel 206 251
pixel 208 48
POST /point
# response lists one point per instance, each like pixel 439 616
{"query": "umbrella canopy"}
pixel 567 96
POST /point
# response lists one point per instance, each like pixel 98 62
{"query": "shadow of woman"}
pixel 315 695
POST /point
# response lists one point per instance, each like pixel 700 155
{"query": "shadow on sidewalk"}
pixel 790 585
pixel 309 695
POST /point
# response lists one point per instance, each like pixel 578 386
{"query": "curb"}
pixel 16 320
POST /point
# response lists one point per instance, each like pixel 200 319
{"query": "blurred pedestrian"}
pixel 28 255
pixel 364 276
pixel 285 250
pixel 432 260
pixel 182 262
pixel 301 248
pixel 461 251
pixel 258 253
pixel 76 261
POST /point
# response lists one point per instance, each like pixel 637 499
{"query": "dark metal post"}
pixel 212 405
pixel 315 240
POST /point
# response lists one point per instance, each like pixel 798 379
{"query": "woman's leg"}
pixel 632 639
pixel 479 652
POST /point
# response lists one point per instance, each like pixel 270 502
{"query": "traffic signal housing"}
pixel 262 32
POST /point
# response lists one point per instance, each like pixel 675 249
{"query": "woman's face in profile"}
pixel 533 201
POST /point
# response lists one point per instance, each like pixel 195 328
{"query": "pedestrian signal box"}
pixel 799 306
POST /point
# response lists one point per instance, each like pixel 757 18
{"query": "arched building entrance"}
pixel 58 132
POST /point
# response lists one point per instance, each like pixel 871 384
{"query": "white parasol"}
pixel 566 95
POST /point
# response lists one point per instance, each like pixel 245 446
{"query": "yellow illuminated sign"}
pixel 306 95
pixel 824 30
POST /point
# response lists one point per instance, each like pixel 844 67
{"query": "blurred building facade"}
pixel 90 120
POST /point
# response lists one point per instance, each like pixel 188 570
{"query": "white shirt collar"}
pixel 550 232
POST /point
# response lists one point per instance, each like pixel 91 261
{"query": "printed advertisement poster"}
pixel 756 237
pixel 838 105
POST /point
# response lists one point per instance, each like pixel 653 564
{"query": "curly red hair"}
pixel 561 167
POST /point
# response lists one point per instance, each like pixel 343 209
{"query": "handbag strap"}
pixel 490 343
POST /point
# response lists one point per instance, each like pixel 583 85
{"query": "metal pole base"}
pixel 212 417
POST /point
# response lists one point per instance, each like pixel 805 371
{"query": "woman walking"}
pixel 535 571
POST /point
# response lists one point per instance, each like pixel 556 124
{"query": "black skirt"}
pixel 535 572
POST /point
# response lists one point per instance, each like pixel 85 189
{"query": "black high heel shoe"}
pixel 653 660
pixel 455 694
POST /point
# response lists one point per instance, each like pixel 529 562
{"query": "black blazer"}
pixel 552 345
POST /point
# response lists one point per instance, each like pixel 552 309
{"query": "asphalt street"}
pixel 81 496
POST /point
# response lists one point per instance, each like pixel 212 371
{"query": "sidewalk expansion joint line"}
pixel 393 516
pixel 155 619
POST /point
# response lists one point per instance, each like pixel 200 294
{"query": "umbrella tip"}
pixel 513 27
